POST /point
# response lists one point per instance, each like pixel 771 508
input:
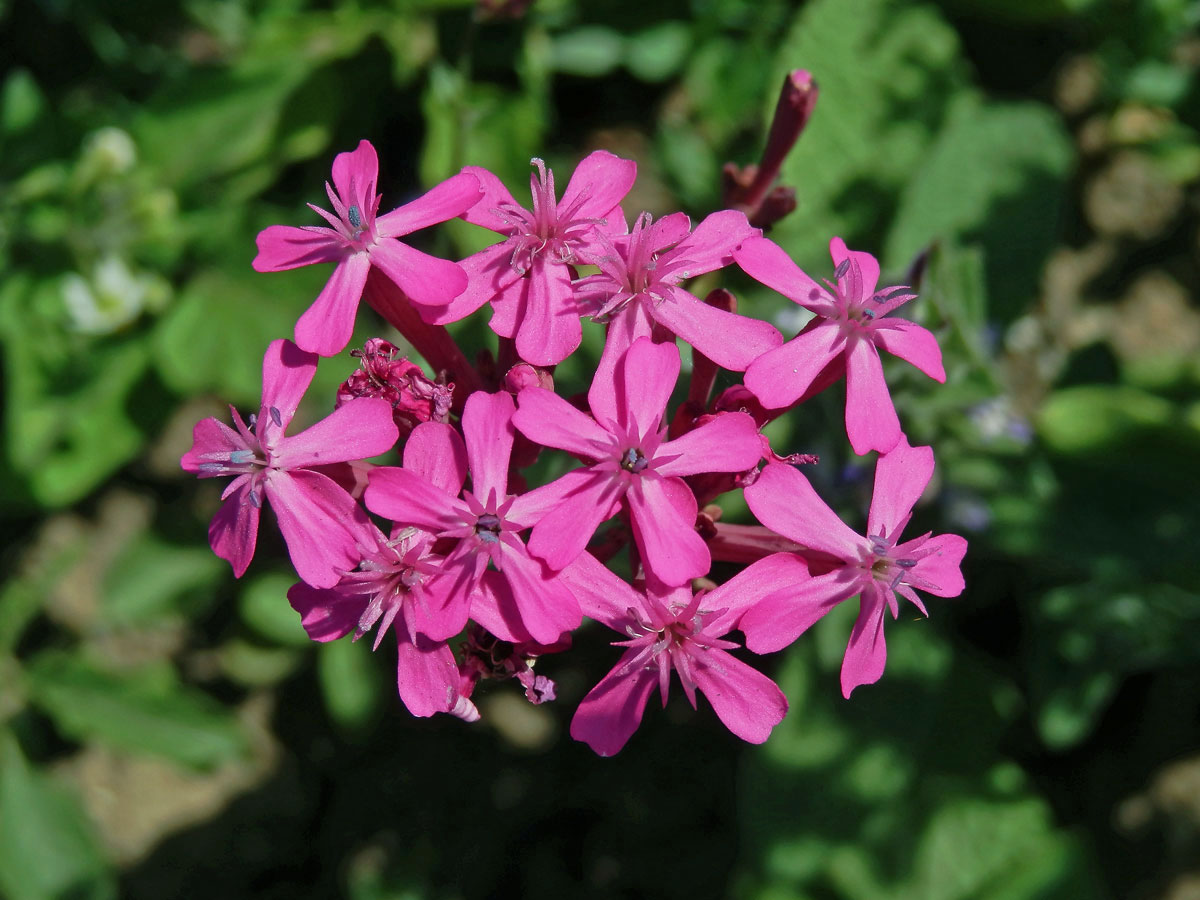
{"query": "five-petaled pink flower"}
pixel 633 463
pixel 852 322
pixel 672 628
pixel 528 276
pixel 484 521
pixel 637 290
pixel 321 523
pixel 383 589
pixel 876 567
pixel 357 240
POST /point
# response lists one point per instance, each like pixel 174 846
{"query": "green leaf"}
pixel 996 175
pixel 886 73
pixel 68 427
pixel 21 102
pixel 151 579
pixel 1095 420
pixel 349 682
pixel 264 607
pixel 214 337
pixel 590 51
pixel 49 850
pixel 137 711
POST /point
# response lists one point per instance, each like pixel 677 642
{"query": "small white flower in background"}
pixel 109 151
pixel 113 298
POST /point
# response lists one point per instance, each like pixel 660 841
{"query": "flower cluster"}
pixel 446 537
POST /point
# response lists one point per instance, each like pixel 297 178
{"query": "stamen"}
pixel 275 416
pixel 633 460
pixel 354 216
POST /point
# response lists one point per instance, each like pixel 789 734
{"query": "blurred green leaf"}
pixel 590 51
pixel 264 607
pixel 1097 419
pixel 152 578
pixel 134 712
pixel 349 682
pixel 21 102
pixel 996 175
pixel 68 425
pixel 871 799
pixel 658 52
pixel 886 73
pixel 1090 636
pixel 213 338
pixel 49 850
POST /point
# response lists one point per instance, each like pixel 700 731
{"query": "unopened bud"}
pixel 524 375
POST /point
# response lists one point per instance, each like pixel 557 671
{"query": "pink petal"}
pixel 599 183
pixel 866 654
pixel 871 421
pixel 487 426
pixel 602 595
pixel 941 570
pixel 407 498
pixel 868 266
pixel 546 604
pixel 550 330
pixel 319 521
pixel 900 479
pixel 233 532
pixel 446 599
pixel 765 261
pixel 211 436
pixel 494 607
pixel 327 325
pixel 668 231
pixel 436 453
pixel 444 201
pixel 747 701
pixel 326 614
pixel 488 272
pixel 612 710
pixel 495 197
pixel 727 443
pixel 649 376
pixel 286 374
pixel 710 246
pixel 547 419
pixel 912 343
pixel 784 501
pixel 731 341
pixel 287 247
pixel 426 280
pixel 664 527
pixel 727 603
pixel 564 533
pixel 628 326
pixel 356 430
pixel 780 377
pixel 355 174
pixel 508 307
pixel 426 675
pixel 786 613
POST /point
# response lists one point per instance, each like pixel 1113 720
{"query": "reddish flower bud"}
pixel 384 373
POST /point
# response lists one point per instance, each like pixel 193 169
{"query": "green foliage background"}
pixel 168 731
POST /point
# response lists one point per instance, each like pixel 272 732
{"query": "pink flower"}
pixel 357 240
pixel 383 589
pixel 638 289
pixel 528 276
pixel 633 463
pixel 320 521
pixel 876 567
pixel 851 324
pixel 484 521
pixel 670 628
